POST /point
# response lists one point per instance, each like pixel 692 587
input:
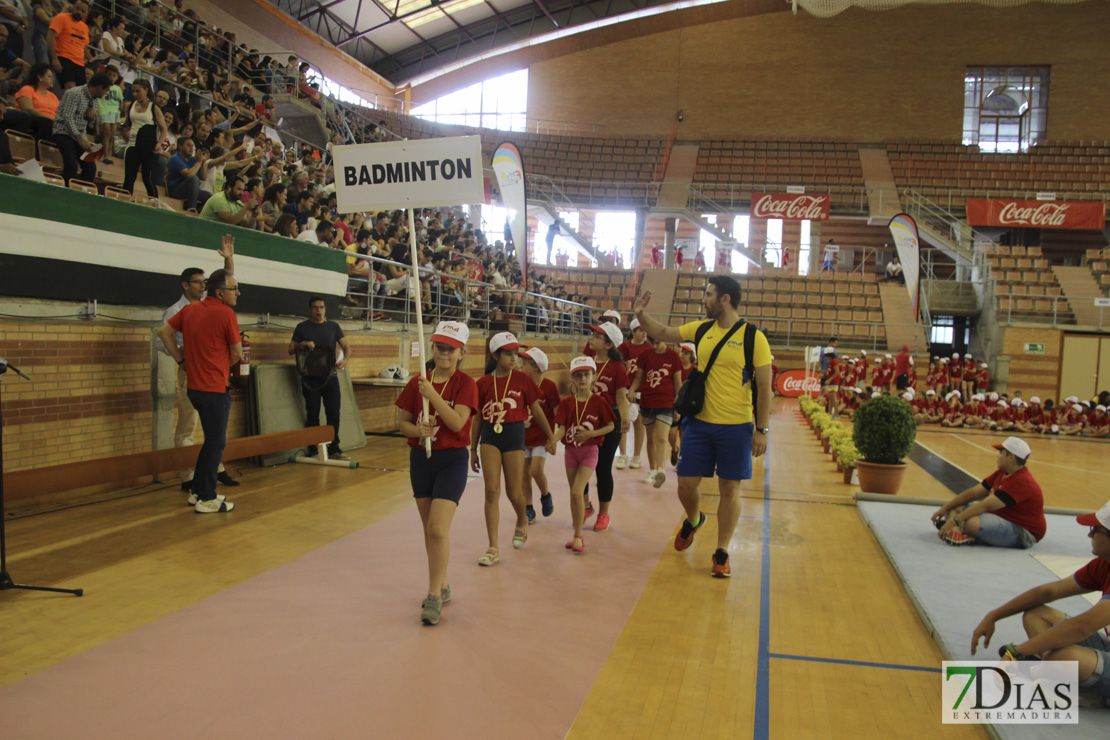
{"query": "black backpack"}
pixel 316 366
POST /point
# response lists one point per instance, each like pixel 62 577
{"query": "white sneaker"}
pixel 658 478
pixel 215 506
pixel 193 498
pixel 649 477
pixel 622 462
pixel 635 464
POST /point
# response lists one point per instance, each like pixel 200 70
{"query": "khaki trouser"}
pixel 186 421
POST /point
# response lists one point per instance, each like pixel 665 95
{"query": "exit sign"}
pixel 1033 348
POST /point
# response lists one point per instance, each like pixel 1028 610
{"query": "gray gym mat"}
pixel 954 587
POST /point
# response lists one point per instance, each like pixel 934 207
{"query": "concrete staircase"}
pixel 902 325
pixel 1081 289
pixel 674 192
pixel 882 195
pixel 662 284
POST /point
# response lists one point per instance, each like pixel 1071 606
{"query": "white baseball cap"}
pixel 582 363
pixel 983 365
pixel 1016 446
pixel 612 315
pixel 907 396
pixel 967 356
pixel 1035 399
pixel 1077 407
pixel 538 356
pixel 876 394
pixel 930 392
pixel 504 340
pixel 1017 402
pixel 1100 407
pixel 863 352
pixel 611 331
pixel 689 347
pixel 887 356
pixel 1100 518
pixel 994 396
pixel 1002 404
pixel 634 325
pixel 1071 399
pixel 955 355
pixel 454 333
pixel 953 394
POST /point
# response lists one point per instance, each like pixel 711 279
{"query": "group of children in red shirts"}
pixel 511 419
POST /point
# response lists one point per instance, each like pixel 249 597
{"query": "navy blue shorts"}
pixel 510 439
pixel 722 448
pixel 443 475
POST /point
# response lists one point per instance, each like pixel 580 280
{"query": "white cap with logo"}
pixel 582 363
pixel 611 331
pixel 1100 518
pixel 504 340
pixel 634 325
pixel 454 333
pixel 611 314
pixel 538 356
pixel 689 347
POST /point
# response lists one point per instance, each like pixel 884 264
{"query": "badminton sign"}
pixel 1010 693
pixel 409 174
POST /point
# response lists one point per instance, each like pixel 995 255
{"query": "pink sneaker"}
pixel 588 513
pixel 602 523
pixel 577 545
pixel 956 537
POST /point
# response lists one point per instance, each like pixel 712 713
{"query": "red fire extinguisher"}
pixel 242 368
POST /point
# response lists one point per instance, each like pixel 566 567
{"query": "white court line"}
pixel 1039 462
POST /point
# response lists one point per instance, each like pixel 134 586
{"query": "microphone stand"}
pixel 6 582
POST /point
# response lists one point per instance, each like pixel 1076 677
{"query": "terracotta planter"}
pixel 839 468
pixel 825 444
pixel 880 478
pixel 835 457
pixel 847 474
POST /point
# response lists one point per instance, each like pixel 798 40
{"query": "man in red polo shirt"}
pixel 211 333
pixel 902 364
pixel 1005 510
pixel 1053 635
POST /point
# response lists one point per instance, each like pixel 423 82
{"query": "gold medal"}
pixel 497 427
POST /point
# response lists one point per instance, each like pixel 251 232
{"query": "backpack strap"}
pixel 720 344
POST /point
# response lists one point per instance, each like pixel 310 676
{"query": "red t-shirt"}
pixel 1094 421
pixel 686 372
pixel 505 400
pixel 1095 576
pixel 1072 417
pixel 208 328
pixel 901 363
pixel 594 414
pixel 458 390
pixel 832 372
pixel 982 378
pixel 951 412
pixel 631 354
pixel 1023 498
pixel 970 372
pixel 1019 414
pixel 659 369
pixel 955 369
pixel 549 402
pixel 942 375
pixel 1048 416
pixel 611 377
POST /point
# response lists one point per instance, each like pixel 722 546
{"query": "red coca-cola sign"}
pixel 795 383
pixel 790 207
pixel 1036 214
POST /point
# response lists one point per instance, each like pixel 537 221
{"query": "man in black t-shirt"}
pixel 313 338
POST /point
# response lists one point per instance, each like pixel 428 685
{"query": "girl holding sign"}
pixel 505 395
pixel 438 481
pixel 583 420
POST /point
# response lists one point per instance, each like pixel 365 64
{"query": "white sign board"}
pixel 1102 301
pixel 1046 196
pixel 409 174
pixel 796 189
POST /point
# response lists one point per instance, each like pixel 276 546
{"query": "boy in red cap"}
pixel 1054 635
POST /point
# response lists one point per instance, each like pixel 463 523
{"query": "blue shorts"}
pixel 443 475
pixel 723 448
pixel 510 439
pixel 1099 681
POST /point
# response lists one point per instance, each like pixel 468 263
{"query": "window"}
pixel 942 330
pixel 499 102
pixel 1005 108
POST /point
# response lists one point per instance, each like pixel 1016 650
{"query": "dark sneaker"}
pixel 721 568
pixel 215 506
pixel 187 487
pixel 674 459
pixel 531 512
pixel 547 504
pixel 226 479
pixel 685 536
pixel 430 609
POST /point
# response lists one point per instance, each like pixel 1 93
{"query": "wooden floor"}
pixel 813 636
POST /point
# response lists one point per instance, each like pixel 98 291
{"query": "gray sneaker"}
pixel 338 456
pixel 445 593
pixel 215 506
pixel 430 609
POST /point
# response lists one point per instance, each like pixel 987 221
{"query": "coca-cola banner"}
pixel 1037 214
pixel 790 207
pixel 795 383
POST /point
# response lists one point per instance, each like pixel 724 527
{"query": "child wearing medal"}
pixel 611 383
pixel 505 396
pixel 438 481
pixel 582 422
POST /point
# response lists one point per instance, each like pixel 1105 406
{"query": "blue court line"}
pixel 762 727
pixel 865 664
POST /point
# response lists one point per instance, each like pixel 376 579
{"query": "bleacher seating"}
pixel 1025 286
pixel 938 167
pixel 1099 262
pixel 725 169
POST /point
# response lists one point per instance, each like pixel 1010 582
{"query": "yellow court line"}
pixel 1039 462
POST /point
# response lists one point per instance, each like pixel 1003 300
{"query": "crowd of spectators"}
pixel 190 113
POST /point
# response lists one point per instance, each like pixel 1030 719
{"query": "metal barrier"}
pixel 798 333
pixel 1051 310
pixel 477 303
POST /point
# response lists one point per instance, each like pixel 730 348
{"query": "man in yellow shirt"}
pixel 726 434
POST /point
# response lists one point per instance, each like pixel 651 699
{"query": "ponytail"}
pixel 614 355
pixel 491 361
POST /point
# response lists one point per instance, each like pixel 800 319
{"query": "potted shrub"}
pixel 820 421
pixel 826 434
pixel 884 430
pixel 846 456
pixel 839 438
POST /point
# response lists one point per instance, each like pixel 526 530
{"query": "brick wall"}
pixel 862 76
